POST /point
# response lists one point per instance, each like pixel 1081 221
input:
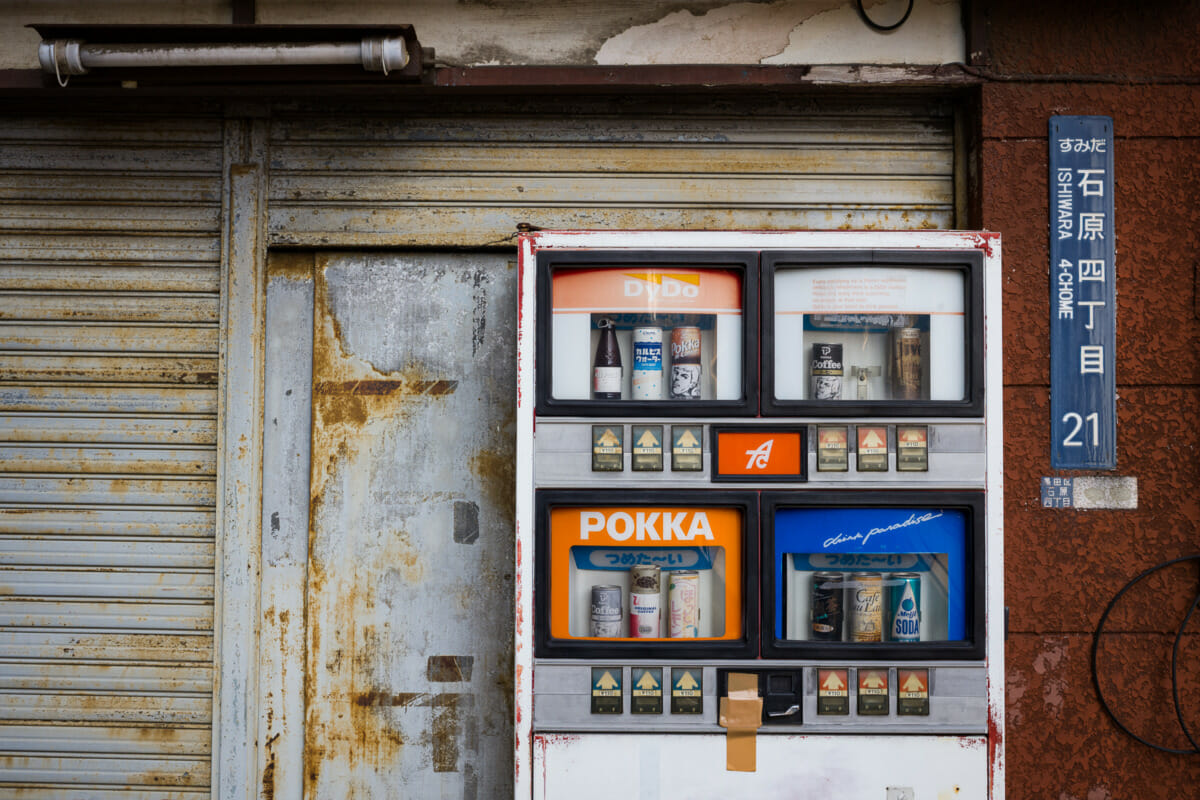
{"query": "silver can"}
pixel 647 363
pixel 684 598
pixel 645 602
pixel 607 611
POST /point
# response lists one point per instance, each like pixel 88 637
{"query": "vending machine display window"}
pixel 889 574
pixel 627 333
pixel 652 575
pixel 852 332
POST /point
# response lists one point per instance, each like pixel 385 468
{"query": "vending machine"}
pixel 759 533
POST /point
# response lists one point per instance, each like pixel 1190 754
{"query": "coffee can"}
pixel 684 600
pixel 645 602
pixel 647 363
pixel 826 370
pixel 904 607
pixel 906 363
pixel 827 606
pixel 866 607
pixel 607 611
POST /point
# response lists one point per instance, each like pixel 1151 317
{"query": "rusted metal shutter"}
pixel 109 289
pixel 464 177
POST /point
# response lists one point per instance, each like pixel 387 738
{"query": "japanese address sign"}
pixel 1083 297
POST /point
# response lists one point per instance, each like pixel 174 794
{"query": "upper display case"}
pixel 628 333
pixel 855 332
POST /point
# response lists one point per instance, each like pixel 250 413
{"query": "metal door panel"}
pixel 409 612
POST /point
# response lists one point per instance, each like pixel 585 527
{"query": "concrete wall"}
pixel 479 32
pixel 1064 566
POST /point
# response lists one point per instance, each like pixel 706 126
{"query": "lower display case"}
pixel 646 574
pixel 800 766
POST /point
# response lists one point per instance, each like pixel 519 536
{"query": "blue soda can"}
pixel 904 606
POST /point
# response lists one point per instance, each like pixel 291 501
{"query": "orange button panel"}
pixel 747 454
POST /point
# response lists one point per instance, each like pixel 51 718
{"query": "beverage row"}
pixel 648 364
pixel 667 364
pixel 645 617
pixel 866 607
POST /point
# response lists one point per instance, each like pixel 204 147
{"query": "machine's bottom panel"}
pixel 693 766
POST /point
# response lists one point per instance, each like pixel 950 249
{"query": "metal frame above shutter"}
pixel 465 175
pixel 109 310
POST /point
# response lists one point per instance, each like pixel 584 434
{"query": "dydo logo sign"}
pixel 660 284
pixel 641 526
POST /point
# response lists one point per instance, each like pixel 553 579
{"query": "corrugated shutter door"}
pixel 109 289
pixel 429 178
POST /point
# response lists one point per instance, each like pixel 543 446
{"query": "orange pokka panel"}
pixel 603 561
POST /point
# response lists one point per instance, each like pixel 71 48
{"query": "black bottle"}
pixel 607 374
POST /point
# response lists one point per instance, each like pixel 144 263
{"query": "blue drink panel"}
pixel 851 534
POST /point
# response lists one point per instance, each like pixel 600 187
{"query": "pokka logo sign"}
pixel 661 284
pixel 642 526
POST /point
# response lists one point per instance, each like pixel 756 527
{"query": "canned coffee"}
pixel 607 611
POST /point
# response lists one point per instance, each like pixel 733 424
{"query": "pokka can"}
pixel 904 607
pixel 645 602
pixel 607 611
pixel 865 619
pixel 683 597
pixel 828 610
pixel 685 363
pixel 826 370
pixel 647 363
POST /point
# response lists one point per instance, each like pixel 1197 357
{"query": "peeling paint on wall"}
pixel 793 32
pixel 571 32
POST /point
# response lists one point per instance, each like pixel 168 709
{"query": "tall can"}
pixel 828 610
pixel 826 370
pixel 607 611
pixel 904 607
pixel 647 363
pixel 685 363
pixel 906 363
pixel 866 607
pixel 645 602
pixel 683 595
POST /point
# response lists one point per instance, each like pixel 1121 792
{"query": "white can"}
pixel 647 363
pixel 684 599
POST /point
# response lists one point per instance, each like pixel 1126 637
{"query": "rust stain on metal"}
pixel 449 669
pixel 351 727
pixel 293 264
pixel 496 469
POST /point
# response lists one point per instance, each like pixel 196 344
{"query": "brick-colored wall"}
pixel 1139 64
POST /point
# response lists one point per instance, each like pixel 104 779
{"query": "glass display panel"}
pixel 882 575
pixel 646 333
pixel 870 333
pixel 664 573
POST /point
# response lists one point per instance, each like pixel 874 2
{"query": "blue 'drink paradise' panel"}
pixel 877 540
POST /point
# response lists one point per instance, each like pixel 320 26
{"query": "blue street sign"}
pixel 1083 296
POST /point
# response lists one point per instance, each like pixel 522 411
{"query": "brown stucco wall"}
pixel 1063 567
